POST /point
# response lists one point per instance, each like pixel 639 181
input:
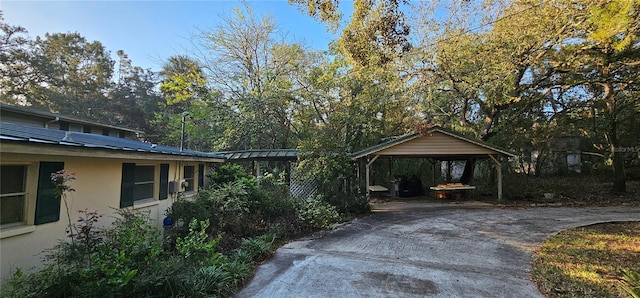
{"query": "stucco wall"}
pixel 97 189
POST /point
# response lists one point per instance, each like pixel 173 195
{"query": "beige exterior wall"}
pixel 434 144
pixel 98 187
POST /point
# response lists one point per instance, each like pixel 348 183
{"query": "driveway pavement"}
pixel 417 249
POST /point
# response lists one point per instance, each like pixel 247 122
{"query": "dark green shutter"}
pixel 200 175
pixel 126 191
pixel 164 181
pixel 47 204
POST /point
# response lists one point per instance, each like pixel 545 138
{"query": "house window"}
pixel 138 184
pixel 105 132
pixel 189 175
pixel 64 125
pixel 143 183
pixel 12 194
pixel 86 129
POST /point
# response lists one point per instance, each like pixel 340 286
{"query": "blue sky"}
pixel 151 31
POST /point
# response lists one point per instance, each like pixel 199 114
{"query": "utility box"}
pixel 174 187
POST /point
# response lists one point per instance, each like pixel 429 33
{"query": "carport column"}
pixel 367 172
pixel 499 171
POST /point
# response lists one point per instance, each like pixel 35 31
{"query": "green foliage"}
pixel 229 172
pixel 258 248
pixel 105 267
pixel 208 281
pixel 631 283
pixel 317 213
pixel 196 246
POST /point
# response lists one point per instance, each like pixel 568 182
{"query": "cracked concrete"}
pixel 418 249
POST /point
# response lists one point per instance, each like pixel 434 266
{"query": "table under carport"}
pixel 434 143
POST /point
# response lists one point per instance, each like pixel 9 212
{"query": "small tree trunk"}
pixel 619 179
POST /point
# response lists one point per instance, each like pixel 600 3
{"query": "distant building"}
pixel 31 116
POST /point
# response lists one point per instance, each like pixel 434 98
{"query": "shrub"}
pixel 316 213
pixel 196 246
pixel 104 266
pixel 258 248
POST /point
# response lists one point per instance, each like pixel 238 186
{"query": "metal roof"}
pixel 404 138
pixel 262 154
pixel 16 132
pixel 35 112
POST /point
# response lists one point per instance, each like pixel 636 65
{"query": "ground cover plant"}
pixel 601 260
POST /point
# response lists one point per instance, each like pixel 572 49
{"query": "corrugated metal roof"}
pixel 35 112
pixel 399 140
pixel 26 133
pixel 262 154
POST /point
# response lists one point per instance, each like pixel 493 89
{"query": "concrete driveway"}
pixel 417 249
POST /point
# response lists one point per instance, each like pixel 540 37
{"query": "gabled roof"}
pixel 21 133
pixel 412 136
pixel 261 154
pixel 35 112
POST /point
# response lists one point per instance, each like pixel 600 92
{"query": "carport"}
pixel 435 143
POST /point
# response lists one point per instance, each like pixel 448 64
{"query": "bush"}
pixel 316 213
pixel 104 266
pixel 258 248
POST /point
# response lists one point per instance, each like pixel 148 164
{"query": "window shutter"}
pixel 47 205
pixel 126 191
pixel 200 175
pixel 164 181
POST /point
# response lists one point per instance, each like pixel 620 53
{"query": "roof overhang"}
pixel 33 148
pixel 460 147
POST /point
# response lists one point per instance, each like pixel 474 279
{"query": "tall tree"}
pixel 254 68
pixel 133 99
pixel 603 55
pixel 15 63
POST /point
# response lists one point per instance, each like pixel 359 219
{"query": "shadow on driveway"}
pixel 417 248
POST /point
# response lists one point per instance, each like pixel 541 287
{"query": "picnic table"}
pixel 446 191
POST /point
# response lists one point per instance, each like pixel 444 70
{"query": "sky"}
pixel 151 31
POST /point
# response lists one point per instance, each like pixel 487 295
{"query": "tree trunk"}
pixel 619 179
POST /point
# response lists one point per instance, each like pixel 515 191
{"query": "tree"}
pixel 255 69
pixel 185 89
pixel 133 99
pixel 377 33
pixel 15 63
pixel 603 55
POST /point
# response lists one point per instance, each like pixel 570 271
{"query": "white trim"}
pixel 17 230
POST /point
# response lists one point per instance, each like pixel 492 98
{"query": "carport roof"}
pixel 435 142
pixel 261 154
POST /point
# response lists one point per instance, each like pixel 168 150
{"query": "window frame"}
pixel 129 183
pixel 191 181
pixel 24 217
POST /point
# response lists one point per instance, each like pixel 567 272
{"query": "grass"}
pixel 588 261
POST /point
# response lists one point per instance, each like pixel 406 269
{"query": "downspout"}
pixel 46 124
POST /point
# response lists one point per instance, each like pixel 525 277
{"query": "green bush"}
pixel 106 267
pixel 317 213
pixel 196 246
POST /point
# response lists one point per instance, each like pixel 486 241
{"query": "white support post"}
pixel 499 172
pixel 367 171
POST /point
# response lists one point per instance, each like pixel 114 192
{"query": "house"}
pixel 34 117
pixel 111 173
